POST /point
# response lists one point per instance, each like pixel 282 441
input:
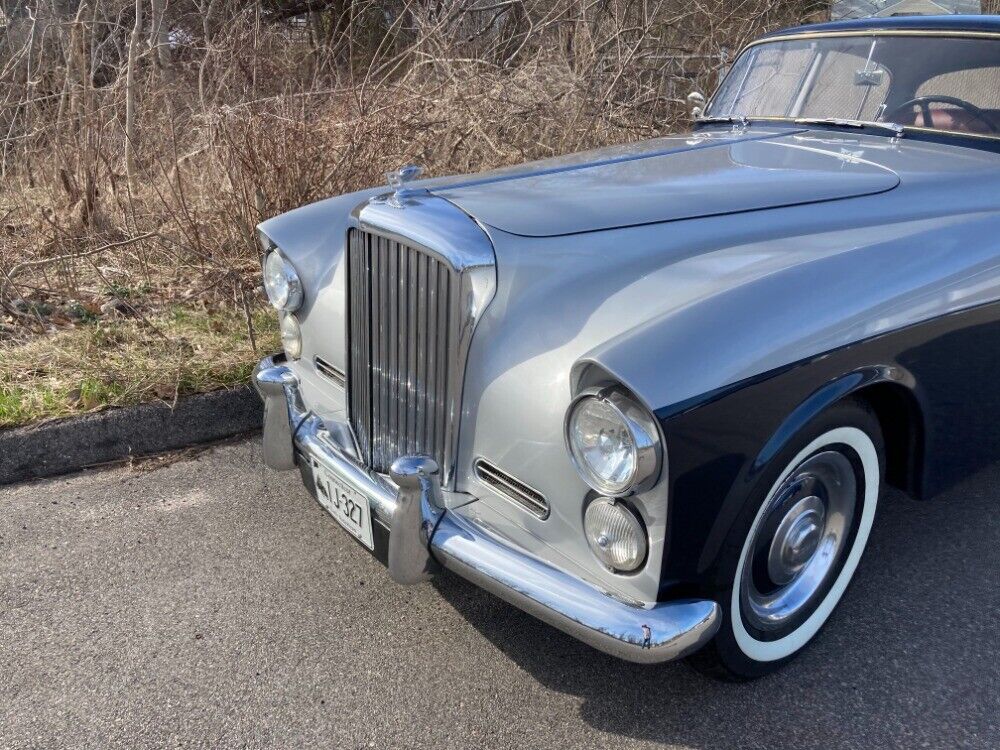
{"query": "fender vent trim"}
pixel 335 374
pixel 513 489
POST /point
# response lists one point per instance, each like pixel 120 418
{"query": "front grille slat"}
pixel 441 413
pixel 378 280
pixel 392 347
pixel 411 354
pixel 359 354
pixel 420 410
pixel 432 337
pixel 402 328
pixel 402 364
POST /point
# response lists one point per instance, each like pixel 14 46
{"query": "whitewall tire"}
pixel 761 650
pixel 794 549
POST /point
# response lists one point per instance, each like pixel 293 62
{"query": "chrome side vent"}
pixel 325 368
pixel 513 489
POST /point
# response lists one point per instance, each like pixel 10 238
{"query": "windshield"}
pixel 945 83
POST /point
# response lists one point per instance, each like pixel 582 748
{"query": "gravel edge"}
pixel 65 445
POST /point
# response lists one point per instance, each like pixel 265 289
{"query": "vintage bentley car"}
pixel 652 394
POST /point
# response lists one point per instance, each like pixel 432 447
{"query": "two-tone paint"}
pixel 735 281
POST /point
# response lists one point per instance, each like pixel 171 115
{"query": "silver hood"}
pixel 668 179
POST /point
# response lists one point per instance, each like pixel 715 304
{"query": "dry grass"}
pixel 115 362
pixel 136 159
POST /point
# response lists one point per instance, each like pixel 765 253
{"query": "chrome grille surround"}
pixel 419 274
pixel 510 487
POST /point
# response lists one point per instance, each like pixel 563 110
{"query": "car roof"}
pixel 954 23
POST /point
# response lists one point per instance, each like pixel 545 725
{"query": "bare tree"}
pixel 130 96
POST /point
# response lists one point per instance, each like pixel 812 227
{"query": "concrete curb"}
pixel 66 445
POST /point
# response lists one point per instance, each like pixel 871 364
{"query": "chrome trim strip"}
pixel 511 488
pixel 423 534
pixel 873 32
pixel 805 123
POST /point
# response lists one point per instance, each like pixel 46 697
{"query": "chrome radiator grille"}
pixel 403 330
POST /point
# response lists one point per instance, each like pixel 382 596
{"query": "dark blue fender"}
pixel 933 386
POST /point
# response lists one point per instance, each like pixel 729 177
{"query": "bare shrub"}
pixel 139 177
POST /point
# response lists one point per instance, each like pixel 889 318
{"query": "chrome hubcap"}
pixel 796 540
pixel 800 541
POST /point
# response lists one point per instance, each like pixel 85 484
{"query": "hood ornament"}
pixel 398 181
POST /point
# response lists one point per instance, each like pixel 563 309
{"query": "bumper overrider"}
pixel 423 538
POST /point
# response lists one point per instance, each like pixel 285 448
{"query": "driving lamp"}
pixel 614 442
pixel 281 282
pixel 291 335
pixel 614 534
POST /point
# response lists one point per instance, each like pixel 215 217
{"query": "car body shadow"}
pixel 908 658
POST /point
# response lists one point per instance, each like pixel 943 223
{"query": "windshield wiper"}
pixel 844 122
pixel 734 119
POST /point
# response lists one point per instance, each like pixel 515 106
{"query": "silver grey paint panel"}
pixel 694 180
pixel 622 152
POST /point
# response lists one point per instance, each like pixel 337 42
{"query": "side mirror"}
pixel 697 101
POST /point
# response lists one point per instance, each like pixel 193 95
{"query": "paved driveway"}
pixel 211 603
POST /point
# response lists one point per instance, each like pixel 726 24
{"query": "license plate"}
pixel 349 507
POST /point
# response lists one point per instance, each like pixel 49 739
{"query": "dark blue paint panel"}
pixel 719 448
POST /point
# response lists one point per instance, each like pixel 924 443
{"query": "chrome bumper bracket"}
pixel 423 538
pixel 419 508
pixel 279 390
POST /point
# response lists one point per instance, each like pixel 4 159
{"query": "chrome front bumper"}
pixel 424 537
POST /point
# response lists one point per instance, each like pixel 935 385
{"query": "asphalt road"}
pixel 211 603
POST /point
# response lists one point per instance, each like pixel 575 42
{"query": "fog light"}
pixel 291 335
pixel 614 534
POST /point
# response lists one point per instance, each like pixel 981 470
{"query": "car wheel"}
pixel 794 550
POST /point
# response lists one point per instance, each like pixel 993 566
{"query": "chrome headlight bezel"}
pixel 290 298
pixel 646 440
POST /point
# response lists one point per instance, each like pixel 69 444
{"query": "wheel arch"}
pixel 891 392
pixel 901 419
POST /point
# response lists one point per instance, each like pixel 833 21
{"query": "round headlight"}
pixel 615 535
pixel 291 335
pixel 614 443
pixel 282 282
